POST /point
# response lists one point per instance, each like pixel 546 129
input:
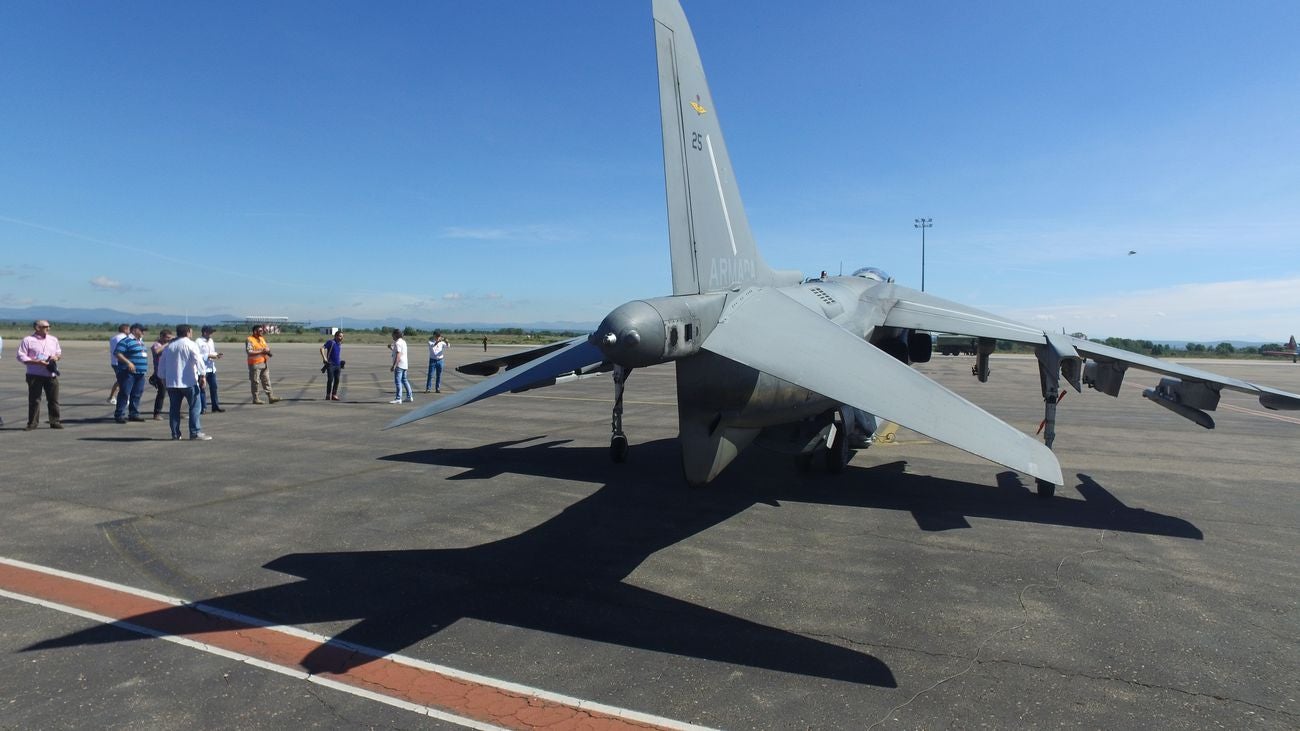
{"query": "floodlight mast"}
pixel 923 224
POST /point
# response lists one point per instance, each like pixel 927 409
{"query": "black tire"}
pixel 618 448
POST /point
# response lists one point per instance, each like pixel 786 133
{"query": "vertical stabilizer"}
pixel 709 238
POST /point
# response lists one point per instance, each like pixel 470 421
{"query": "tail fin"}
pixel 711 246
pixel 1291 344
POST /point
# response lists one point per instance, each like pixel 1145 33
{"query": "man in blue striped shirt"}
pixel 132 370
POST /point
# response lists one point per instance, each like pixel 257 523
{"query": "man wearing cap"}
pixel 40 352
pixel 132 369
pixel 208 349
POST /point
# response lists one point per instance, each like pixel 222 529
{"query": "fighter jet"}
pixel 1292 351
pixel 851 339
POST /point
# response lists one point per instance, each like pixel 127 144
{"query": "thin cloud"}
pixel 452 296
pixel 525 233
pixel 1251 309
pixel 107 283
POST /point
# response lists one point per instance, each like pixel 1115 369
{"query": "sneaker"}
pixel 120 421
pixel 112 400
pixel 335 397
pixel 157 417
pixel 217 409
pixel 272 399
pixel 438 390
pixel 200 437
pixel 135 418
pixel 56 425
pixel 176 437
pixel 410 400
pixel 30 427
pixel 258 401
pixel 427 391
pixel 395 401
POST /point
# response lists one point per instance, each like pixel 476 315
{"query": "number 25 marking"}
pixel 697 141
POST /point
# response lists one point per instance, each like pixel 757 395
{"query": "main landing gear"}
pixel 618 440
pixel 834 452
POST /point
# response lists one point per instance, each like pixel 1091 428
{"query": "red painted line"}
pixel 459 697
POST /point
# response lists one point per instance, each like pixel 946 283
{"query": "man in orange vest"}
pixel 259 359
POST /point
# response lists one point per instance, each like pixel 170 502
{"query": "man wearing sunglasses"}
pixel 40 352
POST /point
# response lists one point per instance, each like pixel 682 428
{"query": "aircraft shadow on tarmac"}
pixel 566 575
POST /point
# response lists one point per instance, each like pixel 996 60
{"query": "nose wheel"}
pixel 617 439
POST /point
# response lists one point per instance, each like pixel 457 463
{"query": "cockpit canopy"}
pixel 879 275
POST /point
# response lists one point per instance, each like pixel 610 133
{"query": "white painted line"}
pixel 451 672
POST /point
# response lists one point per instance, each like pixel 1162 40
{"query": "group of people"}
pixel 402 363
pixel 185 372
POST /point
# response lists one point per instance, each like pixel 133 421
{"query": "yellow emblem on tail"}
pixel 698 109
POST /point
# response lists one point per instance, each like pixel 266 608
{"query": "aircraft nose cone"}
pixel 631 335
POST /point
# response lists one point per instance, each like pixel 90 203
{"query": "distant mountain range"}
pixel 102 314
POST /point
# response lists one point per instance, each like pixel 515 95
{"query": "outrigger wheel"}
pixel 837 452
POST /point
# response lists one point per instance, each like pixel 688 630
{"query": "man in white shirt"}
pixel 208 349
pixel 122 331
pixel 400 365
pixel 437 351
pixel 180 365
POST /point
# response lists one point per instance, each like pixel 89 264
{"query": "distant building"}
pixel 271 325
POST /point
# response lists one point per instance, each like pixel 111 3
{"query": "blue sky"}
pixel 500 161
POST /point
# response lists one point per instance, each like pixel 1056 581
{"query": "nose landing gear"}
pixel 618 447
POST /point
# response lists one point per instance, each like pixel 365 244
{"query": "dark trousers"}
pixel 204 399
pixel 35 385
pixel 130 389
pixel 162 394
pixel 332 373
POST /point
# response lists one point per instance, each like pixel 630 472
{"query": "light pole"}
pixel 923 224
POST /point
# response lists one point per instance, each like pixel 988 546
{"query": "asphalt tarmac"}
pixel 920 588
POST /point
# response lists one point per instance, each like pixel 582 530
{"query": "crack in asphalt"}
pixel 1139 683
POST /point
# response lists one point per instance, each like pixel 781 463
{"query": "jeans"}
pixel 130 387
pixel 435 375
pixel 400 382
pixel 332 373
pixel 211 378
pixel 190 394
pixel 35 385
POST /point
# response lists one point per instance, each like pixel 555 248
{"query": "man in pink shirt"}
pixel 40 352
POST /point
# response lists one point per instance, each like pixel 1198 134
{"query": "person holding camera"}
pixel 155 350
pixel 40 352
pixel 208 349
pixel 437 352
pixel 331 356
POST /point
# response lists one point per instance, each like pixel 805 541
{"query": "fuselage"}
pixel 663 329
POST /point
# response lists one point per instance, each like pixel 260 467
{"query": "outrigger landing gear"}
pixel 837 451
pixel 618 440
